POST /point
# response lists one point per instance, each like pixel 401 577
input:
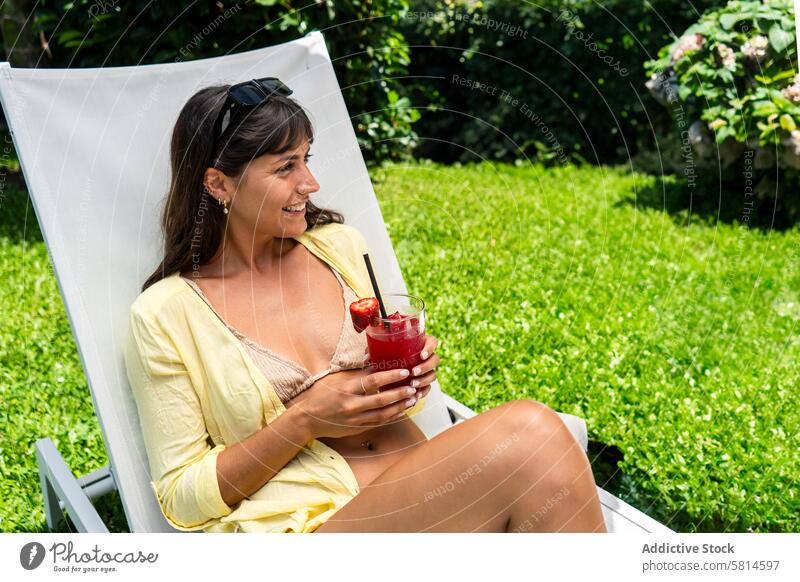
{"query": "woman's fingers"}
pixel 426 366
pixel 372 383
pixel 386 398
pixel 430 359
pixel 424 380
pixel 423 392
pixel 430 346
pixel 378 416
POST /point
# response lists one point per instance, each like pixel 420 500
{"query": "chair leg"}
pixel 52 508
pixel 62 491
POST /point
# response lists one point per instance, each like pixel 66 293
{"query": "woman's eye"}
pixel 288 167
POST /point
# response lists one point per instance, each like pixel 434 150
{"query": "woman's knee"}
pixel 542 435
pixel 525 416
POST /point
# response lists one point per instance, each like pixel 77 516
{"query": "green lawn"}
pixel 673 335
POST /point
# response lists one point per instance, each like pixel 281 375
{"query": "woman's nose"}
pixel 309 182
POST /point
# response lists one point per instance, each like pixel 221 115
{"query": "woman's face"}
pixel 267 187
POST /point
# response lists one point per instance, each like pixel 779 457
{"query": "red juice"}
pixel 398 347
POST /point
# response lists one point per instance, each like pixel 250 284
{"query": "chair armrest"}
pixel 577 426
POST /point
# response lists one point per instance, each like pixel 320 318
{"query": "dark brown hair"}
pixel 192 221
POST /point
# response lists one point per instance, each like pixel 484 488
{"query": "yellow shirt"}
pixel 197 391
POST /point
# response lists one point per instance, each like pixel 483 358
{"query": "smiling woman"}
pixel 257 409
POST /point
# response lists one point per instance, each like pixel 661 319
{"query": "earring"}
pixel 224 204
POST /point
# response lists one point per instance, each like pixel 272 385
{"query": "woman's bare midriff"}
pixel 389 443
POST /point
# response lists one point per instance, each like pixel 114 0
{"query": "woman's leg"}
pixel 513 468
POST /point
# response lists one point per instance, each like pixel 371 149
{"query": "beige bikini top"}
pixel 290 378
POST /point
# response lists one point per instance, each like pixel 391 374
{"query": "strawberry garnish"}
pixel 363 311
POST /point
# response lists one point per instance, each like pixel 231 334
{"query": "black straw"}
pixel 376 290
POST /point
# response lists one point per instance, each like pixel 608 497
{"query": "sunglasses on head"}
pixel 247 95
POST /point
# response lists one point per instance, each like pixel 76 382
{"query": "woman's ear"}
pixel 218 184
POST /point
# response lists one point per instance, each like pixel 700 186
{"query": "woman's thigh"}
pixel 460 480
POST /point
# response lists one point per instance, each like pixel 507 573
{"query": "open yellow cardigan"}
pixel 197 391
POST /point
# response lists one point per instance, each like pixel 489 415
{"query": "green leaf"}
pixel 69 35
pixel 764 108
pixel 780 39
pixel 784 75
pixel 725 75
pixel 724 133
pixel 787 122
pixel 728 20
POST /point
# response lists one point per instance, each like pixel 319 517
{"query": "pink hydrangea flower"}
pixel 726 56
pixel 755 49
pixel 686 44
pixel 792 92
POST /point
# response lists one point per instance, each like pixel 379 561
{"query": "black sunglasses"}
pixel 243 96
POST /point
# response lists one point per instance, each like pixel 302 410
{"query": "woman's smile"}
pixel 296 210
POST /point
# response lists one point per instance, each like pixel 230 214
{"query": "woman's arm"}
pixel 331 401
pixel 244 468
pixel 194 482
pixel 179 452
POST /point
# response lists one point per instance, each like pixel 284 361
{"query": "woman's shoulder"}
pixel 332 229
pixel 157 296
pixel 337 232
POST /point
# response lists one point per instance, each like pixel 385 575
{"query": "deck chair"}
pixel 94 148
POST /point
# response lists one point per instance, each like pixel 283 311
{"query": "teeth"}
pixel 297 208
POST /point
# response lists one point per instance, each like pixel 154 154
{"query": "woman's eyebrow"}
pixel 293 156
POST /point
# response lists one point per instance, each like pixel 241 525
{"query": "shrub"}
pixel 733 75
pixel 366 49
pixel 573 63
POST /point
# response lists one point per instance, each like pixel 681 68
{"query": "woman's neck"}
pixel 239 255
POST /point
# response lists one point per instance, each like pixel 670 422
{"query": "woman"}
pixel 251 297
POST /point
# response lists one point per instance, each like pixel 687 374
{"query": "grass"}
pixel 674 336
pixel 43 391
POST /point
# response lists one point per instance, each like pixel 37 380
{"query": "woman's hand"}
pixel 425 373
pixel 340 405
